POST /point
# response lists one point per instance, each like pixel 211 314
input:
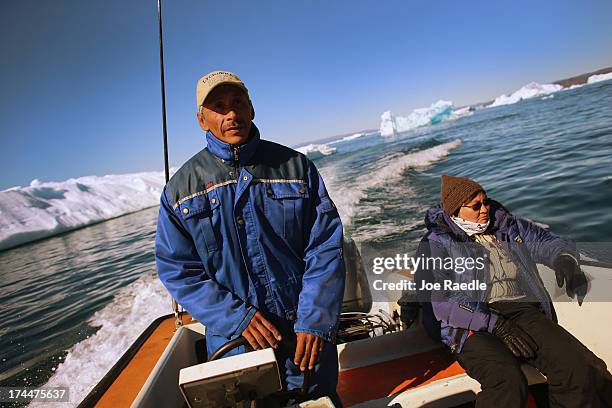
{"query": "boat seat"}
pixel 375 373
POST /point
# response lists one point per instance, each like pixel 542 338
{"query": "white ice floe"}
pixel 348 138
pixel 351 137
pixel 574 87
pixel 598 78
pixel 461 112
pixel 314 151
pixel 530 90
pixel 436 113
pixel 44 209
pixel 121 322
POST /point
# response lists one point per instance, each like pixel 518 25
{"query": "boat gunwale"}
pixel 96 393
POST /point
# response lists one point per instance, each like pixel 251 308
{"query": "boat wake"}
pixel 121 322
pixel 388 170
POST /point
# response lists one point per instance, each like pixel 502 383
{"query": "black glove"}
pixel 567 269
pixel 519 342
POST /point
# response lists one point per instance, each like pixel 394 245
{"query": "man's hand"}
pixel 517 341
pixel 307 350
pixel 261 334
pixel 567 269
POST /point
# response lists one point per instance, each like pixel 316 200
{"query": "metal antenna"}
pixel 163 89
pixel 178 314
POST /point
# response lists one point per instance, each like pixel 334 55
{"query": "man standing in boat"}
pixel 250 243
pixel 492 331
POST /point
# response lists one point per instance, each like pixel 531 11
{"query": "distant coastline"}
pixel 582 78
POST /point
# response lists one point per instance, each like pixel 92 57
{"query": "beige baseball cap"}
pixel 212 80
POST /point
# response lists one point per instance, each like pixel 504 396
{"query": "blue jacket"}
pixel 250 228
pixel 451 314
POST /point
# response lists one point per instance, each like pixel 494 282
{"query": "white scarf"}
pixel 470 227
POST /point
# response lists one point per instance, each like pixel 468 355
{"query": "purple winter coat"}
pixel 451 314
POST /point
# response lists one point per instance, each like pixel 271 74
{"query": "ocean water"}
pixel 73 303
pixel 548 159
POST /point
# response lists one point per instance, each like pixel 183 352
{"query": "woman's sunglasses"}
pixel 476 207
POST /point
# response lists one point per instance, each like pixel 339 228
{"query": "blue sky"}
pixel 80 79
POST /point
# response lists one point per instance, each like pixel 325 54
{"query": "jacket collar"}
pixel 228 152
pixel 437 221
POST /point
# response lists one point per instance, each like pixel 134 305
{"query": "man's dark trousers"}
pixel 576 377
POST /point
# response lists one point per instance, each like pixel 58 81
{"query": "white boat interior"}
pixel 404 368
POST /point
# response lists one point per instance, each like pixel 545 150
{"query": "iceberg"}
pixel 388 124
pixel 314 151
pixel 598 78
pixel 43 209
pixel 530 90
pixel 436 113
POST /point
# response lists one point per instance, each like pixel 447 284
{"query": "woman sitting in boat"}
pixel 492 331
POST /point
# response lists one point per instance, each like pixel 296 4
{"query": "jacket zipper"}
pixel 235 150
